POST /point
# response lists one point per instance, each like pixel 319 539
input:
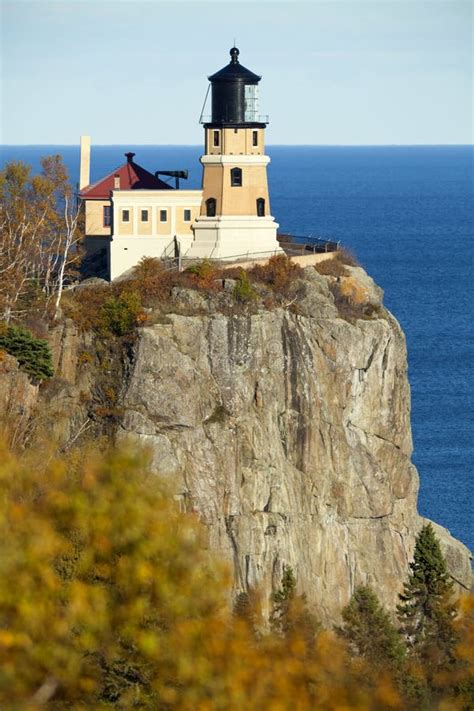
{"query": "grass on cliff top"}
pixel 336 266
pixel 151 292
pixel 117 309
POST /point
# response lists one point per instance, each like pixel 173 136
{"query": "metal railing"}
pixel 171 257
pixel 302 244
pixel 229 261
pixel 261 118
pixel 173 260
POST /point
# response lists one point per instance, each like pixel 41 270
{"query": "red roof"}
pixel 132 177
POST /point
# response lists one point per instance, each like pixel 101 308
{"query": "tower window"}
pixel 144 215
pixel 163 215
pixel 107 215
pixel 255 138
pixel 125 215
pixel 236 177
pixel 251 102
pixel 187 215
pixel 260 207
pixel 211 207
pixel 216 138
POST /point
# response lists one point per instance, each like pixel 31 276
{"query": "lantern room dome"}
pixel 234 71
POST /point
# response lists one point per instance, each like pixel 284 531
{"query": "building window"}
pixel 187 215
pixel 107 215
pixel 144 215
pixel 163 215
pixel 125 215
pixel 211 207
pixel 216 138
pixel 236 177
pixel 255 138
pixel 260 207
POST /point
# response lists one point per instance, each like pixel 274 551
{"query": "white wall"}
pixel 125 251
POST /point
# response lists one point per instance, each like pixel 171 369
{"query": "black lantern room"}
pixel 235 96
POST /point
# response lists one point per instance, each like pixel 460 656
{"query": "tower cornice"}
pixel 234 159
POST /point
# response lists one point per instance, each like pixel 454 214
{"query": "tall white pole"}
pixel 85 167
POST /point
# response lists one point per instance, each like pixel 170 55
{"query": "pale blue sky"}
pixel 334 72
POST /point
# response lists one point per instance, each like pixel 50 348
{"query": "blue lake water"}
pixel 408 215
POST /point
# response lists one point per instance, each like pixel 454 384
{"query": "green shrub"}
pixel 33 354
pixel 121 314
pixel 243 290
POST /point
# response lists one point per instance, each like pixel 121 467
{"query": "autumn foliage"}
pixel 278 272
pixel 109 598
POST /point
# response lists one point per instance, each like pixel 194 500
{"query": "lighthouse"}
pixel 235 217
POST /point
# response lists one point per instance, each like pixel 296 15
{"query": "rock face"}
pixel 289 432
pixel 286 430
pixel 17 398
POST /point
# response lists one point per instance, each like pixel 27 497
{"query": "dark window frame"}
pixel 216 139
pixel 260 207
pixel 187 215
pixel 211 207
pixel 236 177
pixel 125 215
pixel 254 138
pixel 163 215
pixel 107 216
pixel 142 212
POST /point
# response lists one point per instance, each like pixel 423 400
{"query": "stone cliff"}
pixel 287 430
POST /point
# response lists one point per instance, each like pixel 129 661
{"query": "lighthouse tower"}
pixel 235 216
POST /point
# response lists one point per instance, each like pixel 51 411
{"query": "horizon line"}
pixel 289 145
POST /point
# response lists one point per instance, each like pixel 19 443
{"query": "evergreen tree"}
pixel 370 631
pixel 33 354
pixel 427 611
pixel 290 612
pixel 247 610
pixel 282 599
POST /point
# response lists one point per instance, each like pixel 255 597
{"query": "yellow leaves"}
pixel 386 694
pixel 148 643
pixel 144 572
pixel 9 639
pixel 17 513
pixel 106 588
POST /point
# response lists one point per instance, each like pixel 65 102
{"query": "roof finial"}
pixel 234 53
pixel 129 156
